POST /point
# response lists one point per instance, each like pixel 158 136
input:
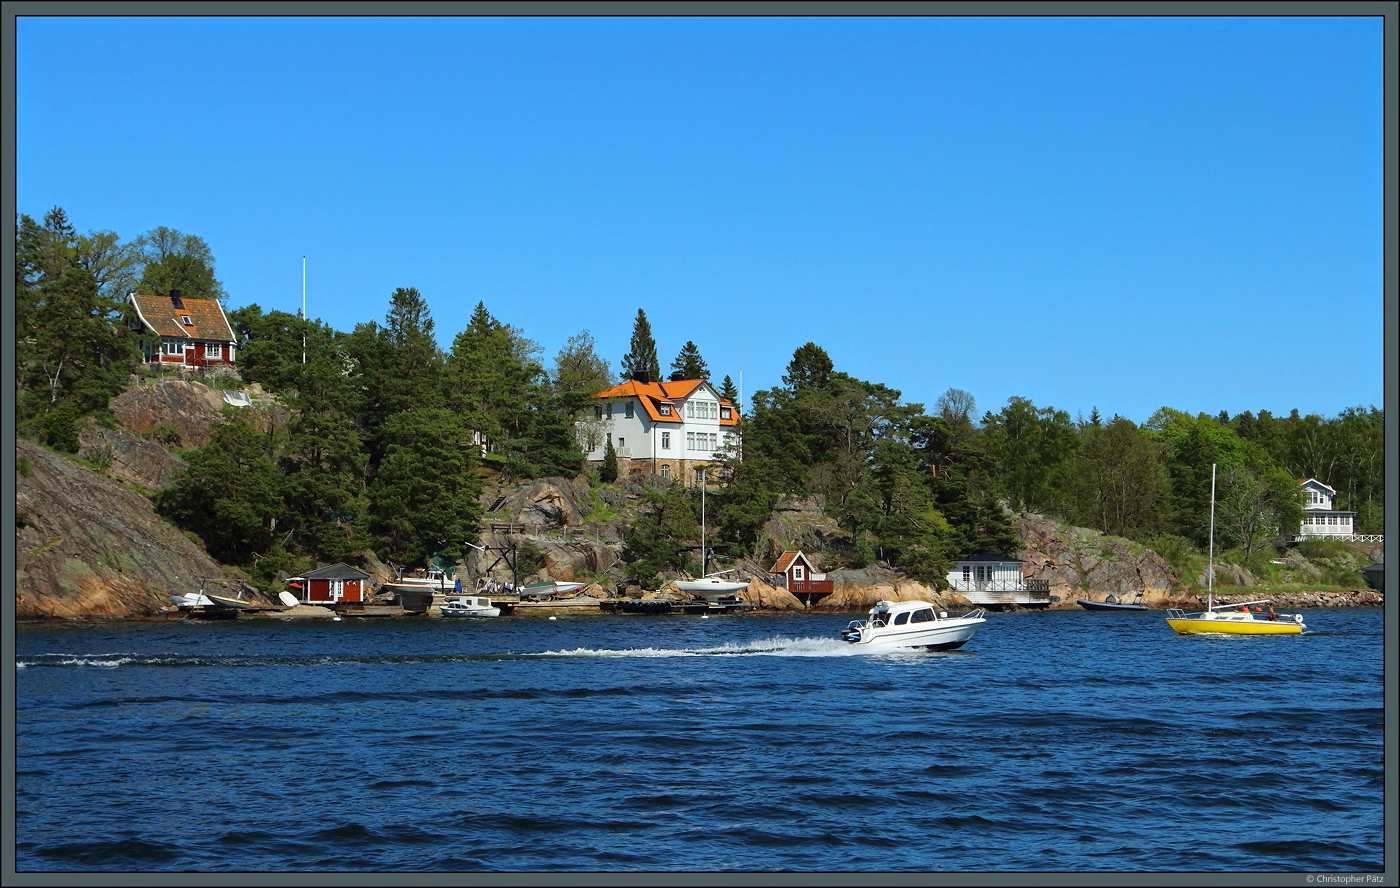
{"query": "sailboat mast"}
pixel 703 552
pixel 1210 574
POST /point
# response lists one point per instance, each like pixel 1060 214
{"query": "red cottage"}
pixel 194 333
pixel 800 578
pixel 339 583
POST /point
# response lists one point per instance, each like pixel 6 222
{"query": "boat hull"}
pixel 704 588
pixel 1105 606
pixel 1198 626
pixel 477 612
pixel 946 636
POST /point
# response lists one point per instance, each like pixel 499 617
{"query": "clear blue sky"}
pixel 1121 213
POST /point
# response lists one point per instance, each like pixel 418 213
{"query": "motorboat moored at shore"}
pixel 469 606
pixel 913 624
pixel 1111 603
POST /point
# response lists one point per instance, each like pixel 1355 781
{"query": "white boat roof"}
pixel 895 607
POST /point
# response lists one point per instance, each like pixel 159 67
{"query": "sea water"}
pixel 1059 741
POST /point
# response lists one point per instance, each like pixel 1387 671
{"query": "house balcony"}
pixel 1003 593
pixel 808 591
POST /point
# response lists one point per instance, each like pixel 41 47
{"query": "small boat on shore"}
pixel 226 601
pixel 469 606
pixel 913 624
pixel 192 599
pixel 547 590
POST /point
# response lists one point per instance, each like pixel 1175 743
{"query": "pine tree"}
pixel 641 362
pixel 689 365
pixel 609 472
pixel 728 392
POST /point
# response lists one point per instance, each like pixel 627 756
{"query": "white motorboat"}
pixel 434 579
pixel 913 624
pixel 469 606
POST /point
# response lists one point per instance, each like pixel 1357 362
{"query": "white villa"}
pixel 670 429
pixel 1319 518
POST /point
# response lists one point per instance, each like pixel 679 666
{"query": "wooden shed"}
pixel 331 585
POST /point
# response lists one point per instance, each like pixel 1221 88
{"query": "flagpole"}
pixel 303 309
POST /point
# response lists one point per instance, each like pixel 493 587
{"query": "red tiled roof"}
pixel 207 321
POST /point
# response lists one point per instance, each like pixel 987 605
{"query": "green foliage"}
pixel 1033 447
pixel 530 559
pixel 230 493
pixel 608 474
pixel 688 364
pixel 655 544
pixel 1117 481
pixel 423 500
pixel 22 465
pixel 73 349
pixel 578 369
pixel 177 262
pixel 810 368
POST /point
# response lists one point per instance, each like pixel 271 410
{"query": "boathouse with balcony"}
pixel 997 581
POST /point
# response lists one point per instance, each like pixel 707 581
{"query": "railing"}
pixel 1004 591
pixel 1344 537
pixel 811 589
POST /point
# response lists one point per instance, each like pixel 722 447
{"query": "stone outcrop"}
pixel 860 590
pixel 184 414
pixel 86 547
pixel 1083 563
pixel 128 456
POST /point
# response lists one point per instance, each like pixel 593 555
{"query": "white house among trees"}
pixel 666 428
pixel 1319 518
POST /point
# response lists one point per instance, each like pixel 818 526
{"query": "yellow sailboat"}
pixel 1231 619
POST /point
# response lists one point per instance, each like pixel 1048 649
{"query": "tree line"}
pixel 389 436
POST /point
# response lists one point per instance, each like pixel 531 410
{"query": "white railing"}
pixel 1344 537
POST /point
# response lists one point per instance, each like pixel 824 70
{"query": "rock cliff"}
pixel 87 547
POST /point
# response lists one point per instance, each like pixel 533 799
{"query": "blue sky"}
pixel 1121 213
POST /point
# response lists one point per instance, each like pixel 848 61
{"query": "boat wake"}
pixel 775 647
pixel 771 647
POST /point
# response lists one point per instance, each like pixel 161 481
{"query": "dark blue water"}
pixel 1060 741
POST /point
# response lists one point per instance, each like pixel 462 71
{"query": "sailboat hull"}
pixel 1197 626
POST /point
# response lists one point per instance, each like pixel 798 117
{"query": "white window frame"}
pixel 665 440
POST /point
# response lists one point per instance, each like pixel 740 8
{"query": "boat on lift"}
pixel 913 624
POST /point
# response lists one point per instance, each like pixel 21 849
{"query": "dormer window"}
pixel 663 409
pixel 185 319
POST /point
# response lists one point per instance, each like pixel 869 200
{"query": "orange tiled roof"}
pixel 207 320
pixel 654 394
